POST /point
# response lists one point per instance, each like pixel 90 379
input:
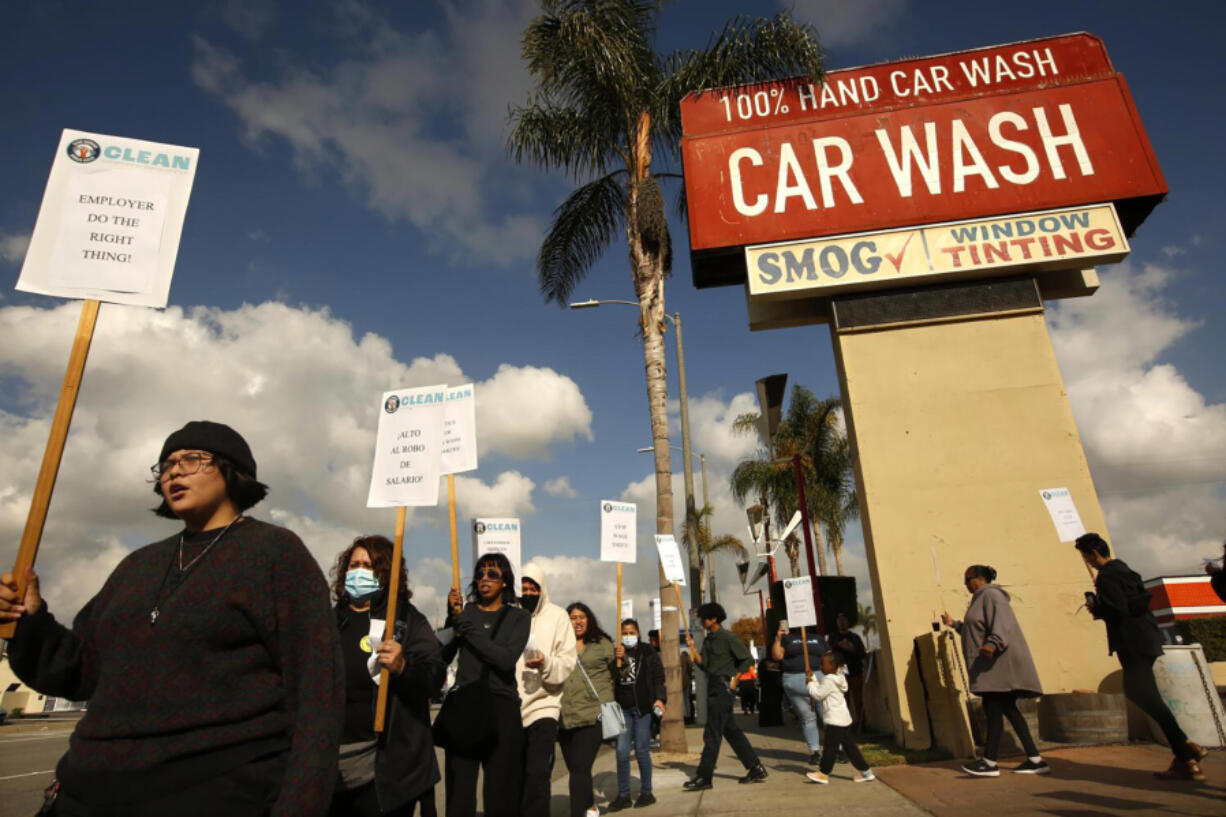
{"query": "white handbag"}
pixel 612 719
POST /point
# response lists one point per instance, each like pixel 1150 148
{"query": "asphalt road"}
pixel 29 751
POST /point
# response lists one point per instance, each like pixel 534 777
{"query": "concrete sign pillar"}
pixel 958 421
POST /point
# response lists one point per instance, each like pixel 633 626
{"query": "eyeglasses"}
pixel 489 573
pixel 187 464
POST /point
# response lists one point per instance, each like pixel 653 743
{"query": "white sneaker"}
pixel 865 776
pixel 593 812
pixel 817 777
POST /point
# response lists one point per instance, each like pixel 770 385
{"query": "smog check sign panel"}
pixel 1046 240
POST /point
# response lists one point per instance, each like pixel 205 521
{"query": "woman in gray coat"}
pixel 1000 669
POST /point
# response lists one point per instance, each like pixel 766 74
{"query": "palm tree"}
pixel 812 429
pixel 606 104
pixel 698 530
pixel 866 618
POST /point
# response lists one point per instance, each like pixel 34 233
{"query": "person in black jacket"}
pixel 1122 602
pixel 491 633
pixel 394 772
pixel 639 688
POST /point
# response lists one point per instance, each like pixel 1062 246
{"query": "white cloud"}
pixel 306 408
pixel 847 23
pixel 559 411
pixel 510 495
pixel 13 247
pixel 1156 447
pixel 561 486
pixel 385 121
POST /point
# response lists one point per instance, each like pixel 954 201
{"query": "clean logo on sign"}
pixel 83 151
pixel 392 404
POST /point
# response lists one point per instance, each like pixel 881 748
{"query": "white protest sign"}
pixel 657 616
pixel 798 594
pixel 1063 512
pixel 627 609
pixel 110 221
pixel 459 431
pixel 670 559
pixel 499 535
pixel 617 531
pixel 407 446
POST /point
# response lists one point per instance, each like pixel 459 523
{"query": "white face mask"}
pixel 629 641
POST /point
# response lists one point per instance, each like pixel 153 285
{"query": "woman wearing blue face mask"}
pixel 639 689
pixel 394 772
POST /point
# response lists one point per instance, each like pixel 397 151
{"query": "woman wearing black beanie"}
pixel 209 659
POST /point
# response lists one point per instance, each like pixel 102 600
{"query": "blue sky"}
pixel 355 222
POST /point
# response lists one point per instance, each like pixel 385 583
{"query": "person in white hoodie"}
pixel 542 671
pixel 829 691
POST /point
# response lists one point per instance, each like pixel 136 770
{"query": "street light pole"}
pixel 692 546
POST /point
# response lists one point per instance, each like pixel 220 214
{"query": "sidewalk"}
pixel 786 790
pixel 1086 781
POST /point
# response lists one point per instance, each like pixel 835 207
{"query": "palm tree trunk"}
pixel 648 268
pixel 819 545
pixel 711 583
pixel 836 546
pixel 702 582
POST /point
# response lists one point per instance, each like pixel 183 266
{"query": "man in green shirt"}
pixel 723 657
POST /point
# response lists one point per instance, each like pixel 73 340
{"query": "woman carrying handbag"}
pixel 479 726
pixel 589 713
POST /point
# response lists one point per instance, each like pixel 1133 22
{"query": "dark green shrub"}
pixel 1209 632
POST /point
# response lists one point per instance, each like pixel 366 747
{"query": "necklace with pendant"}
pixel 184 570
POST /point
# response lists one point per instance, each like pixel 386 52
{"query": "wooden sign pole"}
pixel 455 545
pixel 683 614
pixel 804 646
pixel 619 606
pixel 389 628
pixel 50 469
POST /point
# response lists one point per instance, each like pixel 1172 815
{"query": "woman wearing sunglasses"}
pixel 209 659
pixel 1000 669
pixel 490 634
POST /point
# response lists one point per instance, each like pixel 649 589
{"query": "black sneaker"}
pixel 697 784
pixel 620 802
pixel 981 769
pixel 645 799
pixel 755 775
pixel 815 759
pixel 1030 767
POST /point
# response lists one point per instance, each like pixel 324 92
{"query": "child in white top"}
pixel 830 691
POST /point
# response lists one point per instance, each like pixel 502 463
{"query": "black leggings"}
pixel 1000 705
pixel 504 768
pixel 840 737
pixel 1141 688
pixel 579 747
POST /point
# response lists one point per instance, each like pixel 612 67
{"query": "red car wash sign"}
pixel 1016 128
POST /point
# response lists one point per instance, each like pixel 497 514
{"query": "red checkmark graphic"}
pixel 896 260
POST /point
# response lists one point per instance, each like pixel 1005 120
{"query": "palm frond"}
pixel 582 228
pixel 746 51
pixel 558 137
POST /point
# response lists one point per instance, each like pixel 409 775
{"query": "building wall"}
pixel 956 427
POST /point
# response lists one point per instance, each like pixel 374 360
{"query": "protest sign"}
pixel 107 230
pixel 617 531
pixel 459 447
pixel 656 616
pixel 499 535
pixel 670 559
pixel 407 446
pixel 798 594
pixel 110 221
pixel 627 609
